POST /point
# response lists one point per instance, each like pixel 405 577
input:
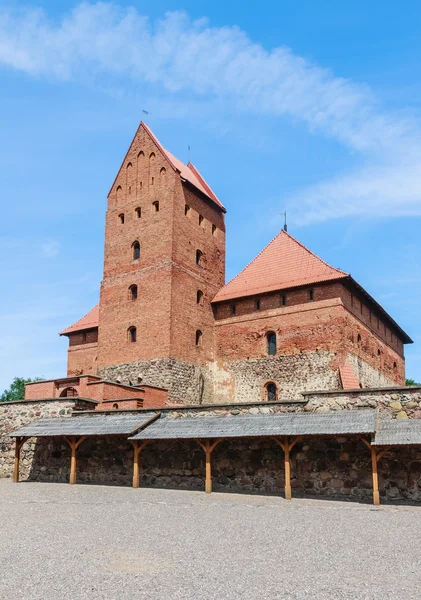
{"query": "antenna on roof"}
pixel 189 151
pixel 284 214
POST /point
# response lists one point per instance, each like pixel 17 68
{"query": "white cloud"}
pixel 50 249
pixel 186 57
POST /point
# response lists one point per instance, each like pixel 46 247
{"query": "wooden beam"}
pixel 208 449
pixel 136 451
pixel 74 444
pixel 287 446
pixel 375 457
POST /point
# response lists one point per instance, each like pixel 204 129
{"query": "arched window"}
pixel 186 210
pixel 121 217
pixel 199 336
pixel 199 297
pixel 115 406
pixel 69 392
pixel 200 220
pixel 155 206
pixel 138 212
pixel 136 250
pixel 162 172
pixel 119 195
pixel 131 334
pixel 133 292
pixel 199 258
pixel 271 391
pixel 271 342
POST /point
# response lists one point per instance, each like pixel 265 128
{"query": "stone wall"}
pixel 401 403
pixel 328 467
pixel 245 380
pixel 16 414
pixel 186 383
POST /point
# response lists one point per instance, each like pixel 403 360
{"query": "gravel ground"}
pixel 70 542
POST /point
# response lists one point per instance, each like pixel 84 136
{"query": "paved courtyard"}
pixel 61 542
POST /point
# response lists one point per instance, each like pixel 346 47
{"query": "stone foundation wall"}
pixel 244 380
pixel 368 376
pixel 328 467
pixel 186 383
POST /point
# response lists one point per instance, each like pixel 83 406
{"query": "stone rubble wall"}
pixel 329 467
pixel 16 414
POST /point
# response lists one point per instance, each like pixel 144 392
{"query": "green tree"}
pixel 16 390
pixel 411 382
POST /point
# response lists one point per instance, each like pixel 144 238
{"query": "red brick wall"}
pixel 324 325
pixel 165 312
pixel 40 390
pixel 121 405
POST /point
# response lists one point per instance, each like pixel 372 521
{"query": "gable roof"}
pixel 284 263
pixel 89 321
pixel 187 172
pixel 348 378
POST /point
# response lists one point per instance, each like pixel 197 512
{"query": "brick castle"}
pixel 168 330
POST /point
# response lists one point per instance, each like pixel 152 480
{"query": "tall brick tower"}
pixel 164 262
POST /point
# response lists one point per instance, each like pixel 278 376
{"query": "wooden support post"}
pixel 287 446
pixel 74 445
pixel 136 451
pixel 374 461
pixel 288 492
pixel 19 443
pixel 208 449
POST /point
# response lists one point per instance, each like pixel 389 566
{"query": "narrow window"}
pixel 133 292
pixel 155 206
pixel 213 229
pixel 358 338
pixel 162 171
pixel 379 352
pixel 138 212
pixel 233 309
pixel 199 336
pixel 271 342
pixel 199 297
pixel 115 406
pixel 152 180
pixel 187 210
pixel 395 366
pixel 121 217
pixel 283 300
pixel 200 220
pixel 257 304
pixel 311 295
pixel 131 334
pixel 271 392
pixel 136 250
pixel 199 258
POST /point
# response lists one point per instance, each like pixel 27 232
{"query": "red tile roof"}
pixel 187 172
pixel 284 263
pixel 348 378
pixel 89 321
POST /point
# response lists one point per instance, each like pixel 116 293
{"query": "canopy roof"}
pixel 398 432
pixel 110 424
pixel 337 423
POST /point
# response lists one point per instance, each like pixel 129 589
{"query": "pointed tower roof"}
pixel 89 321
pixel 187 172
pixel 284 263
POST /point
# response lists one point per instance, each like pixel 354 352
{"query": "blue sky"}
pixel 313 107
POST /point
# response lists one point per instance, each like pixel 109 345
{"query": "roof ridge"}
pixel 252 260
pixel 166 153
pixel 196 172
pixel 312 253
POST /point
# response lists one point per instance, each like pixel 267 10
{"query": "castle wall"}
pixel 327 467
